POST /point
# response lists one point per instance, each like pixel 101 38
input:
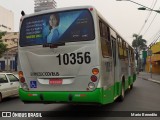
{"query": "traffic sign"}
pixel 149 52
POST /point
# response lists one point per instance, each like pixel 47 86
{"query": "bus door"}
pixel 114 61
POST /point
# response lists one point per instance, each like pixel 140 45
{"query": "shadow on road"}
pixel 87 110
pixel 12 98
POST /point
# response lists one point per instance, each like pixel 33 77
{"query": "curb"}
pixel 149 79
pixel 153 80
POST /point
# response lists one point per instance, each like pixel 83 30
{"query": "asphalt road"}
pixel 143 97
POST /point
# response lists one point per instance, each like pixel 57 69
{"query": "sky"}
pixel 124 16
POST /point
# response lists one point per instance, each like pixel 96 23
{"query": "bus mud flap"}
pixel 70 97
pixel 41 97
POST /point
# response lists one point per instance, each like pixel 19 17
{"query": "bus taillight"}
pixel 22 79
pixel 93 78
pixel 20 74
pixel 91 9
pixel 95 71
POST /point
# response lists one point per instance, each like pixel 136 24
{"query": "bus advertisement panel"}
pixel 58 27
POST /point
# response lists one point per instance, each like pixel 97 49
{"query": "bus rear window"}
pixel 57 27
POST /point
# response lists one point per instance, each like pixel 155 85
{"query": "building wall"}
pixel 156 48
pixel 153 61
pixel 11 39
pixel 153 67
pixel 6 20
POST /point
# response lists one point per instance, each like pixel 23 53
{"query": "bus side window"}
pixel 118 44
pixel 118 40
pixel 108 41
pixel 105 39
pixel 120 49
pixel 100 28
pixel 124 49
pixel 133 56
pixel 103 42
pixel 130 54
pixel 127 50
pixel 108 34
pixel 114 48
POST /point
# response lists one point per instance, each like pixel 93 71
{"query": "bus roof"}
pixel 57 10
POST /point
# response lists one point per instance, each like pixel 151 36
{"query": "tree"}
pixel 2 34
pixel 138 44
pixel 3 47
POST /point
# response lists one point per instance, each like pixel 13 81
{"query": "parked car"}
pixel 9 85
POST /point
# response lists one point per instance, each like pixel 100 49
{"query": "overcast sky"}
pixel 123 16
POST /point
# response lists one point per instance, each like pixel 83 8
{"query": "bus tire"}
pixel 0 97
pixel 131 86
pixel 121 97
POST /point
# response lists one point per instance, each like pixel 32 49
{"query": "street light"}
pixel 143 7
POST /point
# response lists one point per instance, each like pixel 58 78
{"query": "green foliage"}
pixel 2 34
pixel 3 47
pixel 139 42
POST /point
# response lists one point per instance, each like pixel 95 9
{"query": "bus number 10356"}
pixel 74 58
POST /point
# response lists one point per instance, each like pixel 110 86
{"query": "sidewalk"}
pixel 150 77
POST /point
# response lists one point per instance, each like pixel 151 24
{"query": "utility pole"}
pixel 150 60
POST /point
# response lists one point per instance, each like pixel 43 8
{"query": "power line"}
pixel 155 37
pixel 150 24
pixel 153 4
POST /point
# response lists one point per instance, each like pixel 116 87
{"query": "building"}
pixel 8 61
pixel 6 20
pixel 153 61
pixel 40 5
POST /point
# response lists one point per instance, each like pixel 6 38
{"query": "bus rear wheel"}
pixel 130 87
pixel 121 97
pixel 0 97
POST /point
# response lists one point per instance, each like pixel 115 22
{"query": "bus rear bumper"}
pixel 47 97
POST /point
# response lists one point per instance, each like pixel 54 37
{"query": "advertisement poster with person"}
pixel 51 28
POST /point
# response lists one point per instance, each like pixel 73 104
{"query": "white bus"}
pixel 73 55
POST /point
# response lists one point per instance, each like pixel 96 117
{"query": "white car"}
pixel 9 85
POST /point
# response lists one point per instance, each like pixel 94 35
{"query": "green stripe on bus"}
pixel 94 96
pixel 99 95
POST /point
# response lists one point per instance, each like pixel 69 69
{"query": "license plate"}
pixel 55 81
